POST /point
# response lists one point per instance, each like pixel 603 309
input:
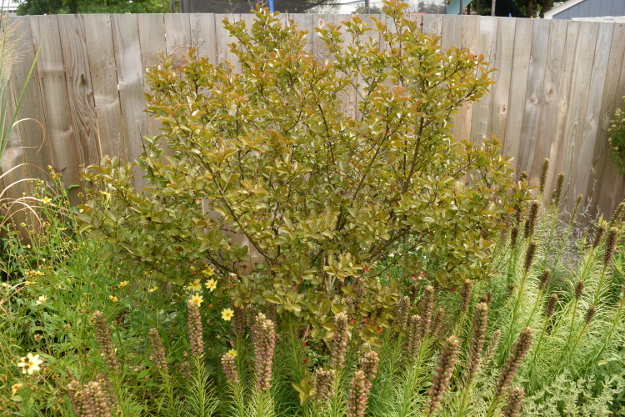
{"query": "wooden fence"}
pixel 558 84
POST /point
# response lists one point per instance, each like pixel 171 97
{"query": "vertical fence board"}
pixel 567 72
pixel 487 45
pixel 586 165
pixel 33 137
pixel 611 183
pixel 501 90
pixel 203 35
pixel 80 91
pixel 573 128
pixel 554 95
pixel 518 88
pixel 53 83
pixel 130 84
pixel 101 55
pixel 545 129
pixel 533 96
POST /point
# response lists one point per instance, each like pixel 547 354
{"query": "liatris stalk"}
pixel 515 359
pixel 511 288
pixel 370 367
pixel 102 407
pixel 158 351
pixel 322 384
pixel 90 400
pixel 598 235
pixel 229 366
pixel 532 219
pixel 103 336
pixel 339 342
pixel 426 311
pixel 542 286
pixel 492 347
pixel 466 296
pixel 414 335
pixel 487 298
pixel 524 176
pixel 264 340
pixel 440 381
pixel 358 395
pixel 588 318
pixel 476 342
pixel 402 313
pixel 608 255
pixel 618 213
pixel 616 320
pixel 557 193
pixel 514 236
pixel 194 322
pixel 529 260
pixel 543 177
pixel 515 403
pixel 550 308
pixel 578 204
pixel 437 322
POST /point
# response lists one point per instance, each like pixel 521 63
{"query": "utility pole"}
pixel 367 9
pixel 492 12
pixel 461 6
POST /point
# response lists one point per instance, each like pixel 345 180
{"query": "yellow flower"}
pixel 194 286
pixel 232 353
pixel 123 284
pixel 211 284
pixel 38 273
pixel 209 271
pixel 153 289
pixel 47 200
pixel 30 363
pixel 27 283
pixel 41 299
pixel 227 314
pixel 196 299
pixel 113 298
pixel 16 387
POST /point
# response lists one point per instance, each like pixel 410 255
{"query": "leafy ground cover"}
pixel 409 276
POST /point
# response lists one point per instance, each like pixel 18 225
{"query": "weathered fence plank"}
pixel 558 84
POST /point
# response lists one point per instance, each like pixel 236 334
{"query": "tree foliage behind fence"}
pixel 558 84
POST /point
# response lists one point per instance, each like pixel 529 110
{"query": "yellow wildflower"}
pixel 30 363
pixel 47 200
pixel 227 314
pixel 232 353
pixel 113 298
pixel 196 299
pixel 209 271
pixel 123 284
pixel 194 286
pixel 211 284
pixel 41 299
pixel 16 387
pixel 153 289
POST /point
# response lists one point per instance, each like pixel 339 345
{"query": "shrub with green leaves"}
pixel 616 138
pixel 266 148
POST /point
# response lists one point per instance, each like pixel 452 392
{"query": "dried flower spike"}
pixel 402 313
pixel 358 395
pixel 103 336
pixel 544 280
pixel 322 384
pixel 414 335
pixel 543 176
pixel 610 246
pixel 520 349
pixel 551 305
pixel 515 403
pixel 440 381
pixel 466 296
pixel 229 366
pixel 476 342
pixel 264 340
pixel 590 314
pixel 194 323
pixel 598 236
pixel 158 351
pixel 532 219
pixel 579 289
pixel 557 194
pixel 529 256
pixel 514 236
pixel 339 342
